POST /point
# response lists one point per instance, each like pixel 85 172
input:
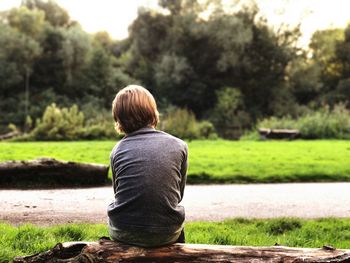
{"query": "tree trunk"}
pixel 9 135
pixel 47 171
pixel 109 251
pixel 279 133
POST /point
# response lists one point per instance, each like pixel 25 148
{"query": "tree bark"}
pixel 279 133
pixel 109 251
pixel 49 171
pixel 9 135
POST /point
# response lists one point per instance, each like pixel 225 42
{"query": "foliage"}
pixel 29 22
pixel 100 130
pixel 54 14
pixel 227 65
pixel 99 126
pixel 206 130
pixel 70 124
pixel 182 123
pixel 41 46
pixel 312 79
pixel 219 161
pixel 323 78
pixel 319 124
pixel 228 115
pixel 169 53
pixel 305 81
pixel 12 127
pixel 18 52
pixel 59 124
pixel 291 232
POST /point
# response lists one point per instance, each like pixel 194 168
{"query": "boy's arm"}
pixel 113 173
pixel 183 171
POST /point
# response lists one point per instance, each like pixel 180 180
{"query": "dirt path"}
pixel 207 202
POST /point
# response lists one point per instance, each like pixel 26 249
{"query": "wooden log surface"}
pixel 9 135
pixel 53 171
pixel 109 251
pixel 279 133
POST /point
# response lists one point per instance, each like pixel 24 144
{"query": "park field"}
pixel 30 239
pixel 219 161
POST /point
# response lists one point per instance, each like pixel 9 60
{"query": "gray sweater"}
pixel 149 174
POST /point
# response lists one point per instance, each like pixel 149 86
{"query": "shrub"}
pixel 182 123
pixel 99 129
pixel 68 124
pixel 229 115
pixel 324 123
pixel 206 130
pixel 12 128
pixel 59 124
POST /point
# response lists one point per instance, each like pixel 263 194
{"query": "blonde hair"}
pixel 134 108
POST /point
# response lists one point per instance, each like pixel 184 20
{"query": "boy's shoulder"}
pixel 173 138
pixel 114 149
pixel 158 136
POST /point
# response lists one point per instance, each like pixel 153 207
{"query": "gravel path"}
pixel 206 202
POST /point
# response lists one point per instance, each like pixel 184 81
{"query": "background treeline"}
pixel 229 69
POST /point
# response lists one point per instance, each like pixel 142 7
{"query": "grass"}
pixel 30 239
pixel 272 161
pixel 219 161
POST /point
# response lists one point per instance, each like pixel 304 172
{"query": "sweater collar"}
pixel 140 131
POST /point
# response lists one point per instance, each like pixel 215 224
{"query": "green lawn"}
pixel 219 161
pixel 29 239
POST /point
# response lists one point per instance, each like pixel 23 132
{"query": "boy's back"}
pixel 149 175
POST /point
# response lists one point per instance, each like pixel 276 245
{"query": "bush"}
pixel 68 124
pixel 324 123
pixel 59 124
pixel 183 124
pixel 229 115
pixel 206 130
pixel 99 129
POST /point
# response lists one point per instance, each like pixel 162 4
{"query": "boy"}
pixel 149 174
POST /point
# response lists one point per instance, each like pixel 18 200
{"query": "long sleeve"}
pixel 114 182
pixel 183 171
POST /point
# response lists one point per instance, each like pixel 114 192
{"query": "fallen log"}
pixel 279 133
pixel 109 251
pixel 48 171
pixel 9 135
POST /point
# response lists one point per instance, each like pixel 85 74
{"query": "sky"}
pixel 114 16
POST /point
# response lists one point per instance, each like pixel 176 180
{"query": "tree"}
pixel 54 14
pixel 185 54
pixel 305 81
pixel 342 51
pixel 331 52
pixel 185 58
pixel 26 21
pixel 74 52
pixel 17 54
pixel 229 115
pixel 323 46
pixel 49 70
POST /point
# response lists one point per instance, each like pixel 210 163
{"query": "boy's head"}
pixel 134 108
